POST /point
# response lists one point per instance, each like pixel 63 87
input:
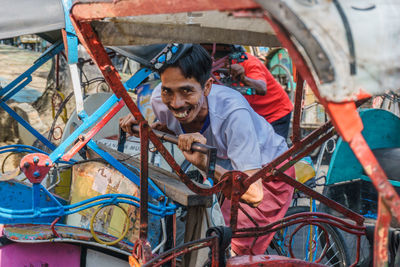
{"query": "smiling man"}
pixel 188 104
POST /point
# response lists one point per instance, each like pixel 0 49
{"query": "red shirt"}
pixel 276 103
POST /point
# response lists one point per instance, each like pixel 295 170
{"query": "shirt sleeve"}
pixel 241 139
pixel 254 69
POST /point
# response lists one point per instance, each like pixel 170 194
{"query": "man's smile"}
pixel 181 114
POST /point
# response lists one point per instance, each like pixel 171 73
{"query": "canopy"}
pixel 349 45
pixel 27 17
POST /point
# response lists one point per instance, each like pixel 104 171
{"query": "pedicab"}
pixel 331 67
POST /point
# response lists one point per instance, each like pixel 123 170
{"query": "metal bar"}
pixel 58 72
pixel 144 161
pixel 25 81
pixel 48 54
pixel 381 241
pixel 358 251
pixel 90 11
pixel 49 195
pixel 308 217
pixel 215 252
pixel 133 82
pixel 298 103
pixel 35 197
pixel 27 126
pixel 173 253
pixel 76 85
pixel 174 236
pixel 89 135
pixel 286 155
pixel 210 151
pixel 235 197
pixel 307 151
pixel 173 139
pixel 89 121
pixel 172 163
pixel 323 199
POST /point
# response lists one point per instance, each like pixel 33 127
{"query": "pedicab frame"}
pixel 344 118
pixel 233 184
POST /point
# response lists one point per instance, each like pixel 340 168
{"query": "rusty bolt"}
pixel 26 165
pixel 36 159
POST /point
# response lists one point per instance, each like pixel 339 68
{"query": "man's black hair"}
pixel 194 63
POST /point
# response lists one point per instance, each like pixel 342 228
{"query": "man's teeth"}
pixel 181 114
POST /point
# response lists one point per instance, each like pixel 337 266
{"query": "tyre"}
pixel 310 249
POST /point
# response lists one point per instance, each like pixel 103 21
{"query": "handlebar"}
pixel 210 151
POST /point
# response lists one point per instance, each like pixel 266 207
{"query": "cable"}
pixel 110 243
pixel 60 109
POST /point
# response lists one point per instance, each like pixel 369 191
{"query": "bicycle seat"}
pixel 389 159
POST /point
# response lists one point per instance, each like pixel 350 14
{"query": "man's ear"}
pixel 207 86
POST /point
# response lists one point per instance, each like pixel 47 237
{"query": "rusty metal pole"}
pixel 144 174
pixel 235 197
pixel 298 105
pixel 381 234
pixel 144 155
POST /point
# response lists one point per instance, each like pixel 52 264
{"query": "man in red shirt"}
pixel 270 99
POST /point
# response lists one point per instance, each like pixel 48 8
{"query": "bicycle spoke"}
pixel 308 245
pixel 333 257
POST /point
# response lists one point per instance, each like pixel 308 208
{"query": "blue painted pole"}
pixel 88 121
pixel 47 55
pixel 27 126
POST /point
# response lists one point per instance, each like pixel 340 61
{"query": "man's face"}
pixel 184 97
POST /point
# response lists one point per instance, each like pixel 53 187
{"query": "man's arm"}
pixel 238 73
pixel 254 194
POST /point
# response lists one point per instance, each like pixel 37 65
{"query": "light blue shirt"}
pixel 244 140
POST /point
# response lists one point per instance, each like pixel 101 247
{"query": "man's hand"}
pixel 237 72
pixel 127 122
pixel 185 142
pixel 159 126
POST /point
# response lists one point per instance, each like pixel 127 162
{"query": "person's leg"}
pixel 281 126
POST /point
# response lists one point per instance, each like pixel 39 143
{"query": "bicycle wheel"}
pixel 309 242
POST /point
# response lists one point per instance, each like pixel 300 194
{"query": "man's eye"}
pixel 186 91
